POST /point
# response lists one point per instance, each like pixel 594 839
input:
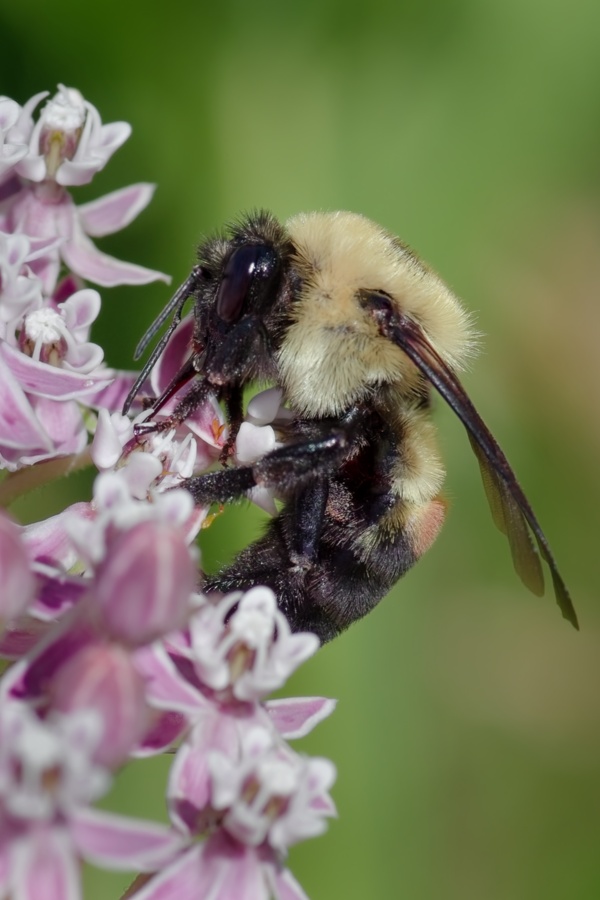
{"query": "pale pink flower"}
pixel 271 794
pixel 68 143
pixel 178 453
pixel 242 645
pixel 47 781
pixel 65 147
pixel 11 150
pixel 20 289
pixel 115 654
pixel 223 869
pixel 47 363
pixel 254 806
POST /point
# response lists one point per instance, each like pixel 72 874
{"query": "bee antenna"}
pixel 175 306
pixel 176 303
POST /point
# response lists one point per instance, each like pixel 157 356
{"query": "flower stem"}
pixel 31 477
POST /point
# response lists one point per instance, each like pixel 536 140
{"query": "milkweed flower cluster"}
pixel 111 650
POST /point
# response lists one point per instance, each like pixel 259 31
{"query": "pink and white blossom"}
pixel 20 290
pixel 12 150
pixel 271 794
pixel 46 363
pixel 112 652
pixel 48 779
pixel 254 808
pixel 48 211
pixel 66 147
pixel 223 869
pixel 243 645
pixel 68 143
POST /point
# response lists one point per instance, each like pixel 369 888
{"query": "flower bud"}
pixel 145 582
pixel 102 677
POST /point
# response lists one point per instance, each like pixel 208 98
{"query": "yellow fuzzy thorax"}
pixel 333 354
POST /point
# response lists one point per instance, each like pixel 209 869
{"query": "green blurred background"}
pixel 467 735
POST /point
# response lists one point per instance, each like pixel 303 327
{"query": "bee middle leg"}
pixel 287 470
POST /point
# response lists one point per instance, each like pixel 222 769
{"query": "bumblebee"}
pixel 357 332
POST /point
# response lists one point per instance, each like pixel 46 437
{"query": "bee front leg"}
pixel 190 401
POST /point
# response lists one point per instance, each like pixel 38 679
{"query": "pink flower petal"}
pixel 29 214
pixel 263 407
pixel 9 186
pixel 44 866
pixel 49 540
pixel 284 886
pixel 30 677
pixel 165 688
pixel 174 355
pixel 80 309
pixel 86 260
pixel 233 871
pixel 190 780
pixel 19 427
pixel 107 445
pixel 166 729
pixel 63 423
pixel 16 578
pixel 72 174
pixel 122 843
pixel 97 145
pixel 56 595
pixel 49 381
pixel 112 396
pixel 324 804
pixel 47 269
pixel 180 880
pixel 20 638
pixel 114 211
pixel 22 128
pixel 10 154
pixel 253 442
pixel 41 246
pixel 4 863
pixel 219 869
pixel 296 717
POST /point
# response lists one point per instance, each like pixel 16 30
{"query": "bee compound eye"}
pixel 243 267
pixel 378 304
pixel 381 302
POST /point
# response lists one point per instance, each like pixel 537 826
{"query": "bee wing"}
pixel 510 508
pixel 509 518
